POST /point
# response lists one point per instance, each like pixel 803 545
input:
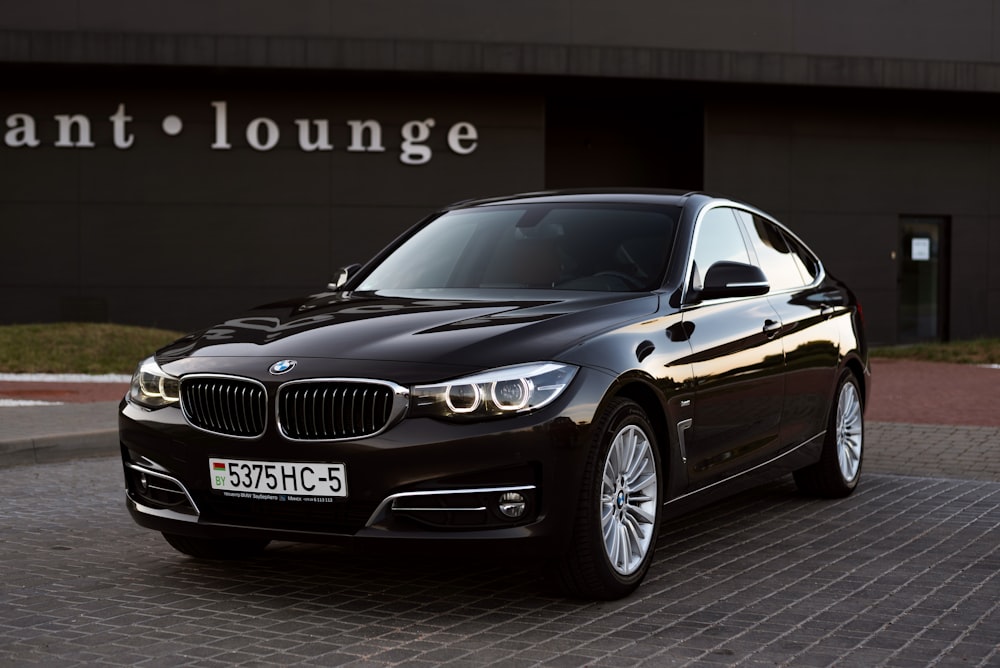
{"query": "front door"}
pixel 737 362
pixel 738 367
pixel 922 279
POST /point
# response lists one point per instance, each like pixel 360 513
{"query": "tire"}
pixel 216 548
pixel 618 513
pixel 838 470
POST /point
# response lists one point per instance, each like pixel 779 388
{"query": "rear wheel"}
pixel 216 548
pixel 838 470
pixel 617 518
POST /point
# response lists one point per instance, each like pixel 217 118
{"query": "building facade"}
pixel 170 163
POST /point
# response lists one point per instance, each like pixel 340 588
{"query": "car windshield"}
pixel 607 247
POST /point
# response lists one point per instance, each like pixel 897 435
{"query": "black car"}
pixel 548 374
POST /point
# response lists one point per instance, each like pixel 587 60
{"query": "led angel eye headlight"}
pixel 152 387
pixel 463 398
pixel 511 395
pixel 503 391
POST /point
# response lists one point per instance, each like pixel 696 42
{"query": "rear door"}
pixel 808 334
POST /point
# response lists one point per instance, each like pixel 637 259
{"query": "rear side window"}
pixel 804 259
pixel 786 266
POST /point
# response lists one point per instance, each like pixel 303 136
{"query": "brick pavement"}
pixel 971 453
pixel 906 572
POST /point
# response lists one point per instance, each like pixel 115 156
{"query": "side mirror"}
pixel 733 279
pixel 342 276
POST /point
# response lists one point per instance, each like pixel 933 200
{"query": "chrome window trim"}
pixel 380 511
pixel 730 204
pixel 254 381
pixel 400 406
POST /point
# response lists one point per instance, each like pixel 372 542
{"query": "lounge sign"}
pixel 260 134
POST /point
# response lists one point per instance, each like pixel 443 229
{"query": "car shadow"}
pixel 325 577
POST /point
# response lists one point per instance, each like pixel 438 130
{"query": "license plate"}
pixel 261 480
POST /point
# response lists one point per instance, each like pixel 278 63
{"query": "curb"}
pixel 53 448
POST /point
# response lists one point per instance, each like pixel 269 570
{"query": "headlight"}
pixel 506 391
pixel 153 388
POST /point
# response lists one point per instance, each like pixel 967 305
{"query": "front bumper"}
pixel 424 485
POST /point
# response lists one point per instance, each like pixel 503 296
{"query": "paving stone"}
pixel 904 572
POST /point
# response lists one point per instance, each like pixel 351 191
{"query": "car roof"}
pixel 585 195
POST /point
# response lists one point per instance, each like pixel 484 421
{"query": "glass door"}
pixel 922 280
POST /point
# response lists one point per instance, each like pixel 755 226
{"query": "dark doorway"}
pixel 922 280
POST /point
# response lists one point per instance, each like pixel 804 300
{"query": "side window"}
pixel 779 262
pixel 719 238
pixel 807 263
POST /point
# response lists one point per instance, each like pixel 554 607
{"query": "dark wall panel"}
pixel 128 234
pixel 165 246
pixel 971 288
pixel 38 246
pixel 842 167
pixel 637 136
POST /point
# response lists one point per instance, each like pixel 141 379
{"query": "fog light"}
pixel 513 505
pixel 143 483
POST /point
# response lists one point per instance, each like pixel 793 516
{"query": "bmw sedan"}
pixel 548 374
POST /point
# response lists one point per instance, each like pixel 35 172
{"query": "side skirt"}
pixel 800 456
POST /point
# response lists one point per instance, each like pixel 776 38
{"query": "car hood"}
pixel 427 329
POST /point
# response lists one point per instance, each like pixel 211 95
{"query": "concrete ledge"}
pixel 58 448
pixel 329 52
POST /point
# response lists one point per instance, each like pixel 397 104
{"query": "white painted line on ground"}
pixel 15 403
pixel 64 378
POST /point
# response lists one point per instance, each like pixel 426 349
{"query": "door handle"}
pixel 771 328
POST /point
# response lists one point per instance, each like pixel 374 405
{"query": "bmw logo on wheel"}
pixel 284 366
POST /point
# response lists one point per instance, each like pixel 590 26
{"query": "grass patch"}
pixel 978 351
pixel 77 347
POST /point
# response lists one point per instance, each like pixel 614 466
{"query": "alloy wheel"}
pixel 628 499
pixel 849 431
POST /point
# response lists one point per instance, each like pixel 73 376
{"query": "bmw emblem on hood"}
pixel 284 366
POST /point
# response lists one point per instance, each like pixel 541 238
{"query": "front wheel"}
pixel 838 470
pixel 618 514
